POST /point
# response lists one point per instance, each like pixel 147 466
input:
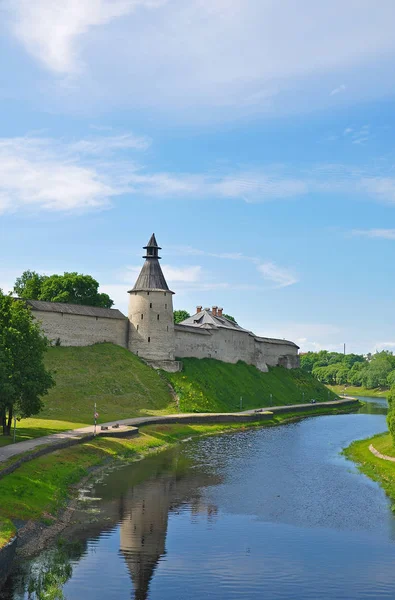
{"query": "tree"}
pixel 72 288
pixel 180 315
pixel 23 376
pixel 230 318
pixel 391 413
pixel 29 285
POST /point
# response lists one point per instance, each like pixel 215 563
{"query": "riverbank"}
pixel 378 469
pixel 38 492
pixel 352 390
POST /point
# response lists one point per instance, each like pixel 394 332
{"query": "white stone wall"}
pixel 82 330
pixel 151 325
pixel 231 346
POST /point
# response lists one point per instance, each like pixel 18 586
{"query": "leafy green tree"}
pixel 29 285
pixel 181 315
pixel 391 379
pixel 229 317
pixel 23 376
pixel 73 288
pixel 391 412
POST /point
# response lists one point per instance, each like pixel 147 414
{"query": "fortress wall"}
pixel 223 344
pixel 82 330
pixel 278 353
pixel 232 345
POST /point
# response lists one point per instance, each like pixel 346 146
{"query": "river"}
pixel 272 513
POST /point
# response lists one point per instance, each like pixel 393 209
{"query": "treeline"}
pixel 333 368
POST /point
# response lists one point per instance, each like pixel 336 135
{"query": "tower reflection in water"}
pixel 143 509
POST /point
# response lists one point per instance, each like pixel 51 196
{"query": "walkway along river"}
pixel 272 513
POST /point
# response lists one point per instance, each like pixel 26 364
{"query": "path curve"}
pixel 379 455
pixel 128 427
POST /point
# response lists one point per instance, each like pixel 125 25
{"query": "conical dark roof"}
pixel 151 276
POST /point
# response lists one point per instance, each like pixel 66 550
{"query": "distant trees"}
pixel 181 315
pixel 23 376
pixel 73 288
pixel 373 371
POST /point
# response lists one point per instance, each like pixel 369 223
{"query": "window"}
pixel 150 304
pixel 97 318
pixel 137 327
pixel 149 339
pixel 147 293
pixel 157 316
pixel 165 293
pixel 167 328
pixel 142 316
pixel 165 306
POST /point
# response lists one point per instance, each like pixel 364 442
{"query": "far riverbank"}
pixel 352 390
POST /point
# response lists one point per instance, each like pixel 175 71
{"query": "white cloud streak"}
pixel 338 90
pixel 280 276
pixel 39 173
pixel 378 234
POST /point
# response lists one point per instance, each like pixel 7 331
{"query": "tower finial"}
pixel 152 248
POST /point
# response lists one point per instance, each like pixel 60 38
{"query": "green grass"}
pixel 7 531
pixel 378 469
pixel 351 390
pixel 209 385
pixel 118 381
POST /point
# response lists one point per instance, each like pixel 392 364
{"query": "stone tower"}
pixel 151 321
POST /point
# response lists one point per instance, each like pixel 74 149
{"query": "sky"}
pixel 255 138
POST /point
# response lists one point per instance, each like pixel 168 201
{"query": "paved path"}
pixel 55 439
pixel 379 455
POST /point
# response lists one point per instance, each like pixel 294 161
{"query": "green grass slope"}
pixel 118 381
pixel 209 385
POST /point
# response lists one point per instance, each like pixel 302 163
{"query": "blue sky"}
pixel 254 138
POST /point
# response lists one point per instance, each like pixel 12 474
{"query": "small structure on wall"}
pixel 149 329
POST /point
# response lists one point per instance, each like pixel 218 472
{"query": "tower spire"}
pixel 152 248
pixel 151 276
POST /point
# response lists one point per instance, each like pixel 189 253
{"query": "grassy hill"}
pixel 123 386
pixel 118 381
pixel 214 386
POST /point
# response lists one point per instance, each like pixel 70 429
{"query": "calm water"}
pixel 272 513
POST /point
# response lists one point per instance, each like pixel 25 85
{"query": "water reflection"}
pixel 142 510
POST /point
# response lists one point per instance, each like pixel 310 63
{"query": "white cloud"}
pixel 46 174
pixel 108 144
pixel 39 173
pixel 338 90
pixel 186 274
pixel 253 55
pixel 383 234
pixel 278 275
pixel 50 30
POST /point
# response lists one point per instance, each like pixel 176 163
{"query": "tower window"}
pixel 167 328
pixel 165 306
pixel 142 316
pixel 150 304
pixel 137 327
pixel 165 293
pixel 147 293
pixel 157 316
pixel 149 339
